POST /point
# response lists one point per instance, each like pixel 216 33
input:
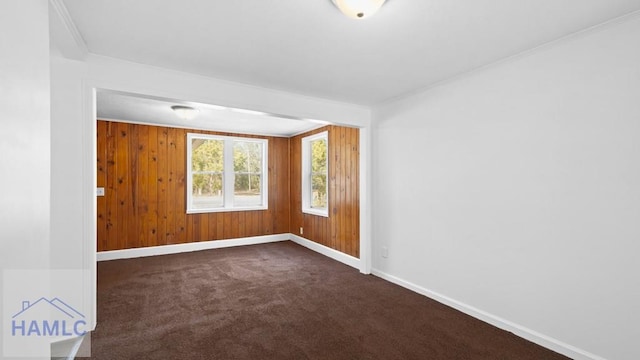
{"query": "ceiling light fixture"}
pixel 358 9
pixel 185 112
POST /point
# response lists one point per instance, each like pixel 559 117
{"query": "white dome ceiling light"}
pixel 358 9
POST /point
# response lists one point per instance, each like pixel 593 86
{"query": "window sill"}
pixel 206 211
pixel 323 213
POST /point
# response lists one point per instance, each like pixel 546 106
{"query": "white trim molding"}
pixel 326 251
pixel 365 200
pixel 521 331
pixel 228 173
pixel 188 247
pixel 307 174
pixel 71 42
pixel 89 199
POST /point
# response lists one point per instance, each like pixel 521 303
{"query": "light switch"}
pixel 100 191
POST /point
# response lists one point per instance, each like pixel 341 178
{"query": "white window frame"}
pixel 228 174
pixel 306 175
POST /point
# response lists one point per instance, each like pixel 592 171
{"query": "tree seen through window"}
pixel 207 166
pixel 319 174
pixel 247 164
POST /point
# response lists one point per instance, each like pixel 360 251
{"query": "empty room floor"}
pixel 279 301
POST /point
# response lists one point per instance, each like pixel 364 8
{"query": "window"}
pixel 226 173
pixel 315 174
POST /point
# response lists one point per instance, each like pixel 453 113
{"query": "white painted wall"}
pixel 515 191
pixel 24 144
pixel 25 129
pixel 67 246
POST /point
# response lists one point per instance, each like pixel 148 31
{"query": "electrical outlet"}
pixel 301 230
pixel 385 252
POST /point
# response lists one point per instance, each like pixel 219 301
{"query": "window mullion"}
pixel 306 167
pixel 264 173
pixel 229 175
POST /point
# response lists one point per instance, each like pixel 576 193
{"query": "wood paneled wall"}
pixel 341 230
pixel 143 171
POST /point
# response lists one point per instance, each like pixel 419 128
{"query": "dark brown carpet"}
pixel 279 301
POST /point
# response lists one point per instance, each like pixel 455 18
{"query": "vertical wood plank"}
pixel 104 133
pixel 181 203
pixel 132 206
pixel 152 190
pixel 189 228
pixel 235 225
pixel 214 222
pixel 192 228
pixel 355 218
pixel 172 208
pixel 220 226
pixel 163 189
pixel 248 223
pixel 255 228
pixel 122 192
pixel 336 196
pixel 348 192
pixel 204 227
pixel 343 189
pixel 228 231
pixel 282 195
pixel 111 193
pixel 335 187
pixel 294 189
pixel 268 216
pixel 275 188
pixel 141 184
pixel 101 181
pixel 242 224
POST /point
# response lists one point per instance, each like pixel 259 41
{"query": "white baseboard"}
pixel 521 331
pixel 218 244
pixel 326 251
pixel 188 247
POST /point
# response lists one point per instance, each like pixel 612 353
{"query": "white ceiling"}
pixel 308 47
pixel 151 110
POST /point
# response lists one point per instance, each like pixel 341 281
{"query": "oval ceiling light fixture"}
pixel 358 9
pixel 185 112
